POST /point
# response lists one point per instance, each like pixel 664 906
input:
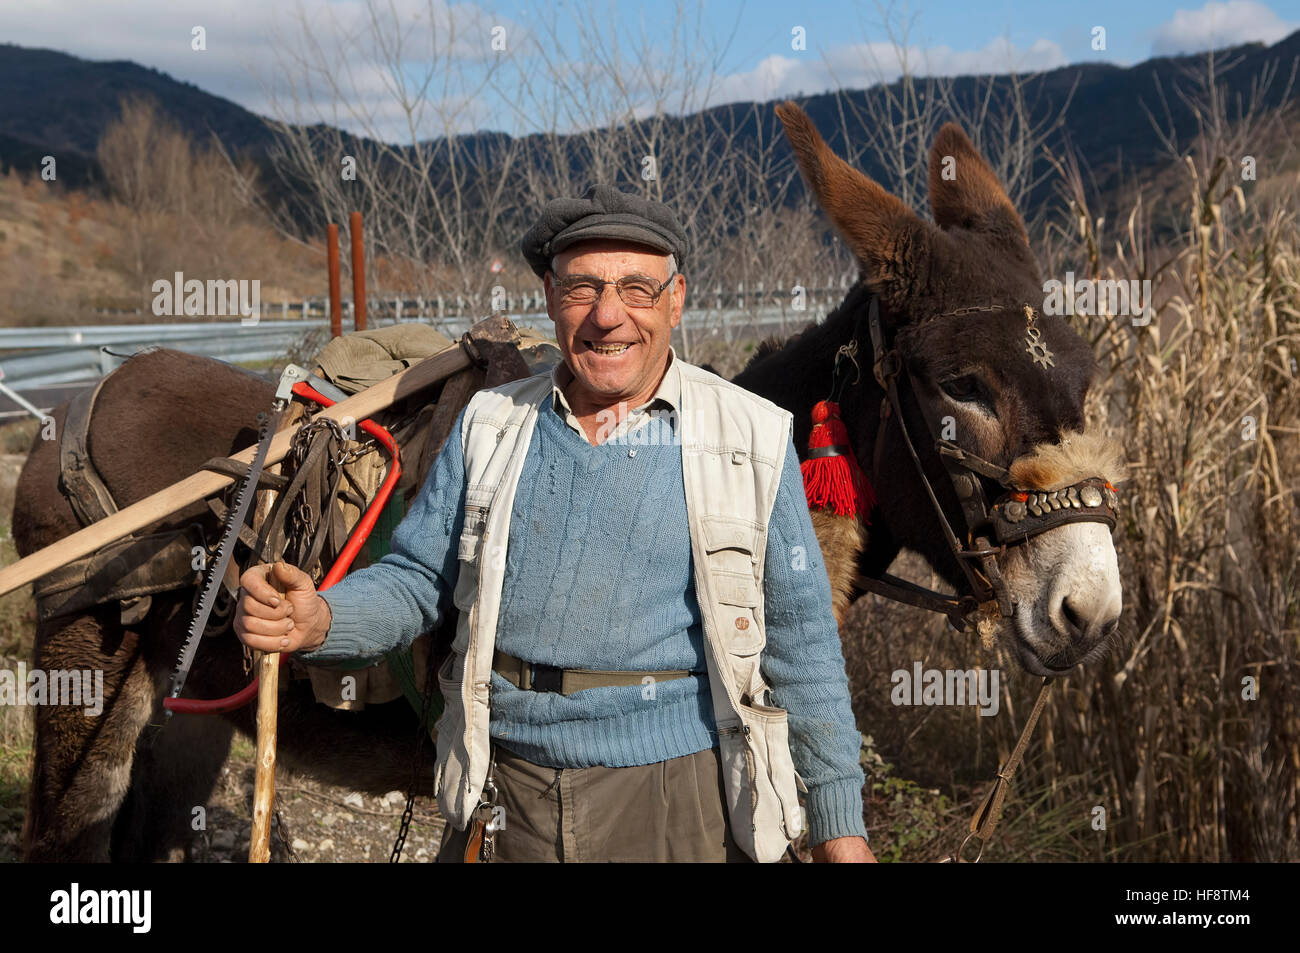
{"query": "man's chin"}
pixel 603 380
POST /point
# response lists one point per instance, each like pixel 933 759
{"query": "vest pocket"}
pixel 475 525
pixel 740 774
pixel 784 779
pixel 729 548
pixel 449 731
pixel 468 552
pixel 728 532
pixel 737 594
pixel 763 801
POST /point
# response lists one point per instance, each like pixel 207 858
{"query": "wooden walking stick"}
pixel 268 697
pixel 268 691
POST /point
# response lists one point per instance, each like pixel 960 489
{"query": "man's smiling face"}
pixel 616 351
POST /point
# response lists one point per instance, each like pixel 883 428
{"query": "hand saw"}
pixel 270 423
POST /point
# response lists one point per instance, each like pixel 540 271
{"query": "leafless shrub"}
pixel 181 206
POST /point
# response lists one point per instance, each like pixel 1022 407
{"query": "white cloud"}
pixel 249 58
pixel 1217 25
pixel 861 65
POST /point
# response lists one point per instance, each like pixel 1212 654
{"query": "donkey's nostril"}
pixel 1083 619
pixel 1072 616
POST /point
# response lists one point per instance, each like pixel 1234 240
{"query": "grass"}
pixel 15 768
pixel 17 436
pixel 242 749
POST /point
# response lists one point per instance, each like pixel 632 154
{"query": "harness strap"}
pixel 79 481
pixel 887 369
pixel 123 571
pixel 233 468
pixel 985 820
pixel 246 534
pixel 950 451
pixel 909 593
pixel 127 569
pixel 273 527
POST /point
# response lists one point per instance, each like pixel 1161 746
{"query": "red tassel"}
pixel 835 482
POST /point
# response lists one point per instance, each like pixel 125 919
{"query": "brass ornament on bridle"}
pixel 1034 339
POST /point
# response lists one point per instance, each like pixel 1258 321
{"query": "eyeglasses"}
pixel 635 291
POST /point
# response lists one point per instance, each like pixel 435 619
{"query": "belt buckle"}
pixel 545 678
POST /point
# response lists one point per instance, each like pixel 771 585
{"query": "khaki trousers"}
pixel 668 812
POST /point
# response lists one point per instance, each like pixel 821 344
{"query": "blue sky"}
pixel 965 36
pixel 1133 28
pixel 847 44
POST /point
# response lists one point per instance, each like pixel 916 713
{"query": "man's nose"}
pixel 608 311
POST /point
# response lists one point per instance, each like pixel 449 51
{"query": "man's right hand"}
pixel 279 610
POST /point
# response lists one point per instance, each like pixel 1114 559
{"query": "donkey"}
pixel 114 788
pixel 952 298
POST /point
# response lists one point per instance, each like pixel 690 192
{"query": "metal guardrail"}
pixel 399 306
pixel 70 360
pixel 47 357
pixel 33 358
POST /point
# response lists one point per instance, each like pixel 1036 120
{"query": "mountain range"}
pixel 59 104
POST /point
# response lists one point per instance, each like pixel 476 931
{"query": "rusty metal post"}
pixel 336 305
pixel 358 271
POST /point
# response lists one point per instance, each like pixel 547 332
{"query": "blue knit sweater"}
pixel 599 575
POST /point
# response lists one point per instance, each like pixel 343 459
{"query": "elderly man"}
pixel 646 666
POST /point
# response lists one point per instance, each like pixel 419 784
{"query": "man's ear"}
pixel 548 289
pixel 679 300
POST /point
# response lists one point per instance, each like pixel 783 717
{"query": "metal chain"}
pixel 365 448
pixel 282 831
pixel 847 352
pixel 301 522
pixel 975 309
pixel 422 731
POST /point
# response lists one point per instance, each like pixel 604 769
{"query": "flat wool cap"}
pixel 604 212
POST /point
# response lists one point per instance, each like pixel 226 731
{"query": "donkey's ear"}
pixel 876 225
pixel 965 192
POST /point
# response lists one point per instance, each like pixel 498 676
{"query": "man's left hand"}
pixel 844 850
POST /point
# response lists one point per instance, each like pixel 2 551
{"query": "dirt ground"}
pixel 323 823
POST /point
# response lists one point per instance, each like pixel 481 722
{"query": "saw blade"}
pixel 225 550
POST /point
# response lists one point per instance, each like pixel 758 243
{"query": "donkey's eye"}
pixel 965 388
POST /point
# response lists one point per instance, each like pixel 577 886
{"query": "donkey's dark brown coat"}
pixel 975 254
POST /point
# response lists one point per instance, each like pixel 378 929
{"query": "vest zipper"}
pixel 472 648
pixel 751 767
pixel 482 513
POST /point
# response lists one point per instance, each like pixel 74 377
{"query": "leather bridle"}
pixel 1011 519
